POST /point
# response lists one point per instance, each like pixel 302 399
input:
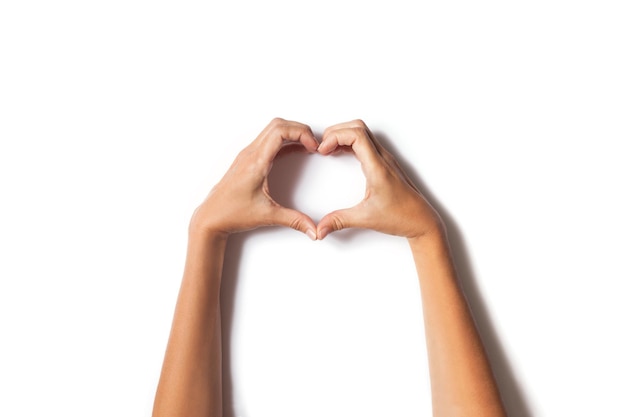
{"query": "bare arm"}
pixel 191 377
pixel 462 383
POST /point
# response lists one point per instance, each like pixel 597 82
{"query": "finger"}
pixel 392 161
pixel 283 216
pixel 358 124
pixel 386 155
pixel 291 149
pixel 341 219
pixel 281 132
pixel 389 158
pixel 344 125
pixel 379 147
pixel 342 149
pixel 356 138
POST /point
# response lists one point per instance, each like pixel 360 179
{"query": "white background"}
pixel 117 117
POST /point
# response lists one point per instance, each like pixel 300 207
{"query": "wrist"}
pixel 206 247
pixel 434 241
pixel 202 236
pixel 198 229
pixel 433 258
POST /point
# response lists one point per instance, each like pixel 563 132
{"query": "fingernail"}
pixel 323 233
pixel 311 234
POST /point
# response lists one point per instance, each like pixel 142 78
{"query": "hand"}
pixel 392 203
pixel 241 200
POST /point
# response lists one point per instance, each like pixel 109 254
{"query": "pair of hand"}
pixel 242 201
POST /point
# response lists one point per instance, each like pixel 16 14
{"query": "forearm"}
pixel 191 378
pixel 462 382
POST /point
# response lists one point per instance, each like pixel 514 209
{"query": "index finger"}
pixel 281 132
pixel 356 137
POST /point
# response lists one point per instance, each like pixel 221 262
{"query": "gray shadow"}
pixel 232 261
pixel 282 181
pixel 228 301
pixel 513 395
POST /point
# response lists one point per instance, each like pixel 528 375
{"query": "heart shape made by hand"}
pixel 242 200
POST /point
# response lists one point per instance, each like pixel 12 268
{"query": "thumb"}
pixel 338 220
pixel 296 220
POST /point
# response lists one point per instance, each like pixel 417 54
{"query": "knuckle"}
pixel 361 130
pixel 255 168
pixel 277 121
pixel 337 223
pixel 295 223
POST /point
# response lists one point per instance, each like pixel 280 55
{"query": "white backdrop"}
pixel 117 117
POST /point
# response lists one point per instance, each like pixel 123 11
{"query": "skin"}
pixel 462 382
